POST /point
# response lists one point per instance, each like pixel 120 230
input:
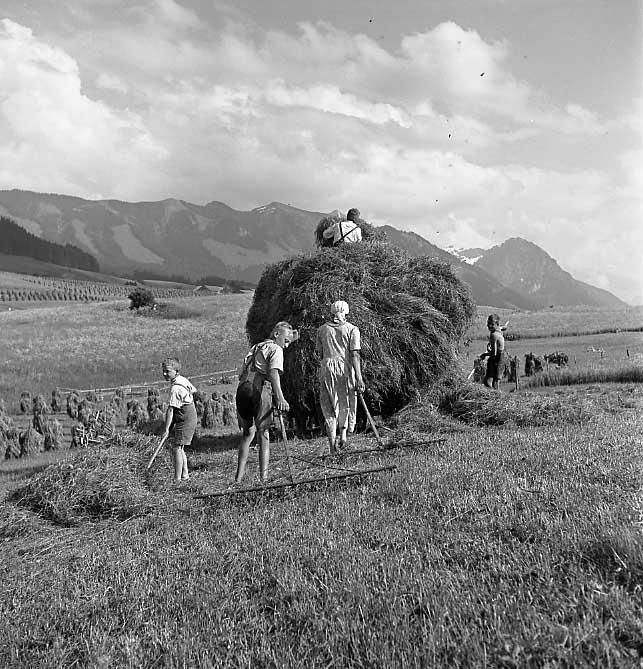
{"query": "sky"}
pixel 466 121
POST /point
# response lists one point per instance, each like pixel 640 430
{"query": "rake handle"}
pixel 370 418
pixel 156 452
pixel 285 438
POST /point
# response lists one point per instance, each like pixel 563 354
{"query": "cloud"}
pixel 111 82
pixel 55 137
pixel 435 136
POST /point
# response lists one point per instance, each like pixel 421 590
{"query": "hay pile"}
pixel 72 404
pixel 118 401
pixel 136 414
pixel 53 435
pixel 478 405
pixel 56 400
pixel 153 400
pixel 31 442
pixel 9 438
pixel 412 313
pixel 25 401
pixel 106 483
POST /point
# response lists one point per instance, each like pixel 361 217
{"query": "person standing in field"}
pixel 258 392
pixel 180 415
pixel 344 231
pixel 495 353
pixel 340 373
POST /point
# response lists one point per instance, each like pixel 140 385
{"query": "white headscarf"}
pixel 339 311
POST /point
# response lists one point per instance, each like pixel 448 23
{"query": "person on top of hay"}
pixel 258 391
pixel 180 414
pixel 344 231
pixel 495 353
pixel 340 373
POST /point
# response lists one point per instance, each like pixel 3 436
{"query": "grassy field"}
pixel 559 321
pixel 99 345
pixel 495 546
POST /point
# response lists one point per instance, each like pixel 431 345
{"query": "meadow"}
pixel 99 345
pixel 492 546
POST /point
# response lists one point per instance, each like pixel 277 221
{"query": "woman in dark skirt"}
pixel 180 414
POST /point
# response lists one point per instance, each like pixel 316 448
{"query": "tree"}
pixel 140 297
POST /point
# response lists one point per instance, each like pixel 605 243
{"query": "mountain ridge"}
pixel 177 237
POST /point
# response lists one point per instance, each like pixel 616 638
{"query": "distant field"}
pixel 99 345
pixel 104 344
pixel 558 321
pixel 24 265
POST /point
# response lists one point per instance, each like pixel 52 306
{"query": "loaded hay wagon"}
pixel 412 314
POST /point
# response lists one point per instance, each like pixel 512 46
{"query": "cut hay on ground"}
pixel 478 405
pixel 412 313
pixel 105 483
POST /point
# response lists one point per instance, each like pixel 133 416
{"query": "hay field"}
pixel 560 321
pixel 99 345
pixel 490 547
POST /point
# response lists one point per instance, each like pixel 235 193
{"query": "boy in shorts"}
pixel 259 390
pixel 180 414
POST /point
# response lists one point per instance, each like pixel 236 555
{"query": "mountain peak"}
pixel 528 269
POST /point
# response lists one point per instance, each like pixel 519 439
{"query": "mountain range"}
pixel 175 237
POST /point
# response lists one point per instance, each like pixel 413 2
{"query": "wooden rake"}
pixel 371 422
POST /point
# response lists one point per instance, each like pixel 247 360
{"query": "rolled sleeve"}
pixel 355 340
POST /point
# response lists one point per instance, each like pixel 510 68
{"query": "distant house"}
pixel 206 290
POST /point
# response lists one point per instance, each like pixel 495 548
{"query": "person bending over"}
pixel 258 392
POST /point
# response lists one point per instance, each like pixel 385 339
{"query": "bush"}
pixel 140 297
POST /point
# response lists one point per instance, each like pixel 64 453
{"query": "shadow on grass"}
pixel 213 443
pixel 618 557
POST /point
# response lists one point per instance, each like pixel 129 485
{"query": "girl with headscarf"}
pixel 340 372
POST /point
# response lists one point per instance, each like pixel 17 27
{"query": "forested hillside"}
pixel 15 240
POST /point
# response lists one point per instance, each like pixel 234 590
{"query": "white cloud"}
pixel 319 118
pixel 55 137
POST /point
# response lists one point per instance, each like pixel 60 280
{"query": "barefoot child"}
pixel 258 392
pixel 180 414
pixel 495 353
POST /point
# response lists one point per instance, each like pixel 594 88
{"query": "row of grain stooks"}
pixel 96 421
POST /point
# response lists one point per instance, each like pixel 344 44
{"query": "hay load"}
pixel 412 313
